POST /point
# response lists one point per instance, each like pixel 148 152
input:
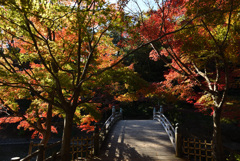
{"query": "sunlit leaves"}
pixel 199 54
pixel 54 52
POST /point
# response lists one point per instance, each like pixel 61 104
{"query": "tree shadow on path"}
pixel 115 149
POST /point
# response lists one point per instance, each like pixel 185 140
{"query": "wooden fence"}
pixel 82 147
pixel 197 150
pixel 40 153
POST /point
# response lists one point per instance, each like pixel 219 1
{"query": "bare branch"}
pixel 229 24
pixel 207 29
pixel 203 75
pixel 164 60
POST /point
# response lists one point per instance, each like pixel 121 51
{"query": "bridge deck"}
pixel 137 140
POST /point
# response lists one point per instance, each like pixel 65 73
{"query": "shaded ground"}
pixel 137 140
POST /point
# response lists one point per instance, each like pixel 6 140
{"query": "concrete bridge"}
pixel 137 140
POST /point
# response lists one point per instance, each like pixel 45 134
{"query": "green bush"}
pixel 137 110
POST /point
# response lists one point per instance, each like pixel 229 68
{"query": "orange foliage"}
pixel 86 124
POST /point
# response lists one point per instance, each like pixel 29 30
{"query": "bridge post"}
pixel 178 141
pixel 113 111
pixel 96 140
pixel 121 112
pixel 154 112
pixel 161 109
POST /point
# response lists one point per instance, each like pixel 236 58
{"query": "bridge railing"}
pixel 99 136
pixel 160 117
pixel 173 133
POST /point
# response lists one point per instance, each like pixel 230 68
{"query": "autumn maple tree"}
pixel 204 53
pixel 67 49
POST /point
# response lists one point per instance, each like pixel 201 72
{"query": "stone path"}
pixel 137 140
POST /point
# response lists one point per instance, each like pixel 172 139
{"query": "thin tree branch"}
pixel 207 29
pixel 229 24
pixel 204 76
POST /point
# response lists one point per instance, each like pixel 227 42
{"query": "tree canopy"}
pixel 61 54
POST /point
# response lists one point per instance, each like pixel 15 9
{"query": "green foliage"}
pixel 237 157
pixel 137 110
pixel 90 108
pixel 149 70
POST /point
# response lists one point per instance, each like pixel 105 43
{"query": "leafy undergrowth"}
pixel 9 132
pixel 139 110
pixel 193 124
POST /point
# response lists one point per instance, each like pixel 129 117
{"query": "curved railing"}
pixel 159 116
pixel 99 136
pixel 107 126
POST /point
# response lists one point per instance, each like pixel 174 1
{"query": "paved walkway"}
pixel 137 140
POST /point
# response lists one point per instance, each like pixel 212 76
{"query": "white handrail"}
pixel 167 126
pixel 110 120
pixel 107 125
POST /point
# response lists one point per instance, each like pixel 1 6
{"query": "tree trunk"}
pixel 46 137
pixel 44 141
pixel 47 132
pixel 66 138
pixel 218 153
